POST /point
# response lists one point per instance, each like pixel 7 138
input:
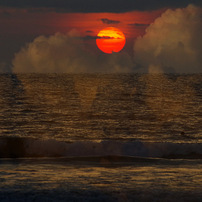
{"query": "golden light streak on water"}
pixel 87 90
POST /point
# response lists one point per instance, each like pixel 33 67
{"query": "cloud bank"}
pixel 172 43
pixel 53 54
pixel 62 53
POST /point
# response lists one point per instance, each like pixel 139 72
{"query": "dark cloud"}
pixel 88 37
pixel 40 10
pixel 138 25
pixel 5 14
pixel 107 21
pixel 89 31
pixel 98 6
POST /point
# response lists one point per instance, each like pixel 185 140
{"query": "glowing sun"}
pixel 110 40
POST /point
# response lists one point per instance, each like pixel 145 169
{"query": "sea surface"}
pixel 101 137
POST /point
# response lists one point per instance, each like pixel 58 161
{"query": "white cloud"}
pixel 173 42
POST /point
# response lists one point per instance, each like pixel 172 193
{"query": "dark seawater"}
pixel 100 137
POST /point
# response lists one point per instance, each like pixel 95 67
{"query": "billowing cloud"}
pixel 108 21
pixel 173 42
pixel 57 53
pixel 66 53
pixel 89 31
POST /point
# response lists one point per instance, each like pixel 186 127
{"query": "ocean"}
pixel 101 137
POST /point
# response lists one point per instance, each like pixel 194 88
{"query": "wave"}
pixel 15 147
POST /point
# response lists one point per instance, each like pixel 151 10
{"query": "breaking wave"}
pixel 14 147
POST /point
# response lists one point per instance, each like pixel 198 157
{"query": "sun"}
pixel 110 40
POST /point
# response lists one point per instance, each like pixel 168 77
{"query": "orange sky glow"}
pixel 92 22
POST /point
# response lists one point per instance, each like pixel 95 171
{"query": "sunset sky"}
pixel 60 35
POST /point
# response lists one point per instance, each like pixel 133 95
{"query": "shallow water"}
pixel 32 180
